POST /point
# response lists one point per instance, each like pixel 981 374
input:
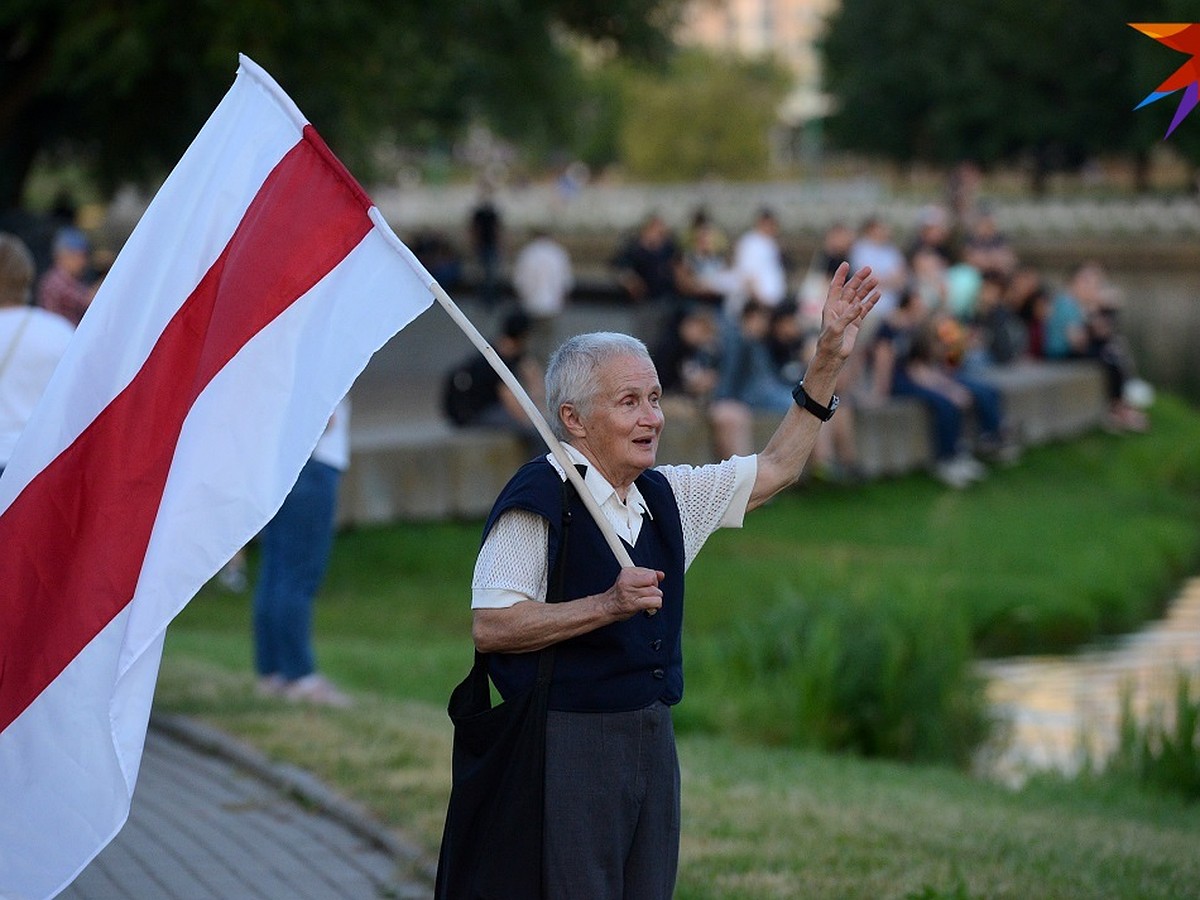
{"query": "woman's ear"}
pixel 569 415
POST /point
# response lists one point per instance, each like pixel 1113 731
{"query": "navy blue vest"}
pixel 623 666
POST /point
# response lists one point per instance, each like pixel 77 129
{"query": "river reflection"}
pixel 1059 713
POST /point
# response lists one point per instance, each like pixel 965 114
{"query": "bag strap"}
pixel 556 582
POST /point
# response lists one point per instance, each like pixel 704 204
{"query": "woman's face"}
pixel 619 432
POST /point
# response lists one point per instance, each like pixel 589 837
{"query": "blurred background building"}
pixel 789 32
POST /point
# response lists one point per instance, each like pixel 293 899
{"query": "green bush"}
pixel 892 680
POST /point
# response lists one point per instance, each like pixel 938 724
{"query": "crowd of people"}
pixel 956 302
pixel 739 316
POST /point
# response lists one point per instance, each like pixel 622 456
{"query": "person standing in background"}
pixel 32 341
pixel 542 278
pixel 875 249
pixel 758 262
pixel 295 553
pixel 485 227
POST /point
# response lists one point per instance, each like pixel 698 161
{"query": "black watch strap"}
pixel 824 413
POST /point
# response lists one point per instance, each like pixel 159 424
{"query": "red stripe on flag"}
pixel 73 542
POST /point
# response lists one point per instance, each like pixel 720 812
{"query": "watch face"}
pixel 821 412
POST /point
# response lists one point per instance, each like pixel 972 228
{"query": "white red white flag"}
pixel 253 291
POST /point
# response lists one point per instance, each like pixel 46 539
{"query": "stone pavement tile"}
pixel 321 841
pixel 214 844
pixel 307 846
pixel 201 807
pixel 94 884
pixel 203 829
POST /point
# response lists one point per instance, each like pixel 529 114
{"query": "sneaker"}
pixel 972 468
pixel 232 576
pixel 317 690
pixel 951 473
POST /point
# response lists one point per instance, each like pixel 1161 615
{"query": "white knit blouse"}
pixel 512 566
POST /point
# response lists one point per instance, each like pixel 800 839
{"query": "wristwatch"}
pixel 824 413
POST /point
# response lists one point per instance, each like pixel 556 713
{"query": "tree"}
pixel 123 85
pixel 709 115
pixel 1048 83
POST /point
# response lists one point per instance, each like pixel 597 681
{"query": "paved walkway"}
pixel 207 824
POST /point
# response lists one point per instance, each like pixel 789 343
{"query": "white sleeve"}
pixel 511 565
pixel 710 497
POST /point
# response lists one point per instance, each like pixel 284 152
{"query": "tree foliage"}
pixel 1049 83
pixel 708 116
pixel 124 85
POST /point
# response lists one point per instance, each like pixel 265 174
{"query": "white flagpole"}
pixel 539 422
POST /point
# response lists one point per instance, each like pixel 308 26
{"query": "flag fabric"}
pixel 253 291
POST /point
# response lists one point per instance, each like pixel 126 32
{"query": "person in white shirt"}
pixel 758 264
pixel 611 774
pixel 542 278
pixel 32 341
pixel 875 248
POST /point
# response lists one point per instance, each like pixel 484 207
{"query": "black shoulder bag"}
pixel 492 841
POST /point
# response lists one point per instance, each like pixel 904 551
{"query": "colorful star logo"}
pixel 1186 39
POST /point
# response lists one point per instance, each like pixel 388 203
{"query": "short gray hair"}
pixel 571 372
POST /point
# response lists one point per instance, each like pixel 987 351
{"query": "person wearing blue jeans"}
pixel 906 361
pixel 295 553
pixel 948 414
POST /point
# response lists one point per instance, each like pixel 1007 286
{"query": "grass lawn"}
pixel 762 822
pixel 1078 540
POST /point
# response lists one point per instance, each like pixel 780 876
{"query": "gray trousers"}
pixel 612 805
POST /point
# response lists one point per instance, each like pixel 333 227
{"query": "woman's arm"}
pixel 531 625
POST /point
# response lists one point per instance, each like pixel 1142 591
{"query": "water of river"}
pixel 1062 713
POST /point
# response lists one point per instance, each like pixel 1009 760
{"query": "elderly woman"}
pixel 612 776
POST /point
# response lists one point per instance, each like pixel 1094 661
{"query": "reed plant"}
pixel 1162 749
pixel 840 673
